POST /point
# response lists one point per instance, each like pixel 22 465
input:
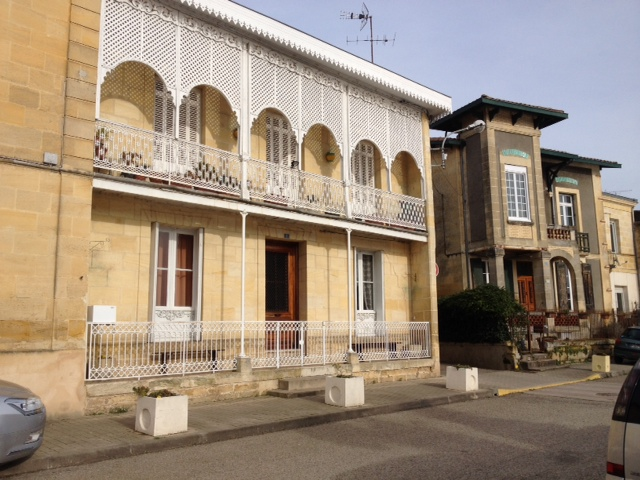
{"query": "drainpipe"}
pixel 242 279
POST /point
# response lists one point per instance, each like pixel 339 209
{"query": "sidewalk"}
pixel 101 437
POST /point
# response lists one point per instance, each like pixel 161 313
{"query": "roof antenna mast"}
pixel 365 17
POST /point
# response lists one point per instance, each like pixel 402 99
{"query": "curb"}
pixel 501 392
pixel 205 437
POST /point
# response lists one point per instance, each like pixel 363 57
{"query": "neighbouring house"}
pixel 621 257
pixel 529 219
pixel 198 196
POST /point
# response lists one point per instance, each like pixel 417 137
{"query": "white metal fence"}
pixel 133 350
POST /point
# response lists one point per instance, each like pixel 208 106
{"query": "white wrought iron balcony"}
pixel 133 153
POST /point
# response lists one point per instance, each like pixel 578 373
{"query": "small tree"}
pixel 487 314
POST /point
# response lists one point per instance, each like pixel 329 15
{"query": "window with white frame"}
pixel 369 286
pixel 177 282
pixel 567 210
pixel 281 140
pixel 517 193
pixel 614 228
pixel 621 299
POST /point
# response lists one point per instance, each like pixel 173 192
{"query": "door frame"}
pixel 291 249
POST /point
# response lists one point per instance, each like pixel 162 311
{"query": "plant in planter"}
pixel 343 389
pixel 161 412
pixel 462 377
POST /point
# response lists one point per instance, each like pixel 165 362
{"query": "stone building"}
pixel 529 219
pixel 621 260
pixel 226 200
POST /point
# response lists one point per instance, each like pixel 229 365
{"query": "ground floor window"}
pixel 369 287
pixel 621 299
pixel 177 260
pixel 480 271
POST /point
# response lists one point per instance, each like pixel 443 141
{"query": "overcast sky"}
pixel 579 56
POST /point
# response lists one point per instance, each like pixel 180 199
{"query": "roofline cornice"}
pixel 314 49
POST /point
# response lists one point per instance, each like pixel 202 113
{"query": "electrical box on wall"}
pixel 102 314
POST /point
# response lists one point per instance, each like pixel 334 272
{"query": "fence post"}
pixel 277 344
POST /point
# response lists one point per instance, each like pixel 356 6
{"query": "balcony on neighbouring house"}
pixel 126 152
pixel 555 232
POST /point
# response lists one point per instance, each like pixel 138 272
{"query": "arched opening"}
pixel 134 94
pixel 406 178
pixel 565 285
pixel 367 166
pixel 320 153
pixel 273 139
pixel 206 117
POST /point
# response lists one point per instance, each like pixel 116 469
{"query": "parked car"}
pixel 627 347
pixel 623 455
pixel 22 419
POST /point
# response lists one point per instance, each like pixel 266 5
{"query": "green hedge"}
pixel 481 315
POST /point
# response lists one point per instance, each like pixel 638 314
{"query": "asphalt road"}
pixel 555 433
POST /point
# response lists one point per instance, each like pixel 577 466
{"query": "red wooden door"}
pixel 281 295
pixel 527 292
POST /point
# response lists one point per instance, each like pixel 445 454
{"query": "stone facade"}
pixel 79 231
pixel 620 255
pixel 516 215
pixel 49 56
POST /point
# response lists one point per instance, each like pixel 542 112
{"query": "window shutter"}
pixel 587 281
pixel 189 127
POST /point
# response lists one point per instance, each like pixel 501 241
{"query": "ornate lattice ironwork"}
pixel 144 349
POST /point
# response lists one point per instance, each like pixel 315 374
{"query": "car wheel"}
pixel 618 360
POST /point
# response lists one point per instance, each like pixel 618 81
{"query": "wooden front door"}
pixel 281 295
pixel 526 292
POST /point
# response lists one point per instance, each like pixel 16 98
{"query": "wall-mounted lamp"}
pixel 330 156
pixel 235 133
pixel 477 127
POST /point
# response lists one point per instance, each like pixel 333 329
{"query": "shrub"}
pixel 481 315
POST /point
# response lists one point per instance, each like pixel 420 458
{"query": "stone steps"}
pixel 538 362
pixel 299 387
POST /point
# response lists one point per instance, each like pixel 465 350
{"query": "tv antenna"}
pixel 365 17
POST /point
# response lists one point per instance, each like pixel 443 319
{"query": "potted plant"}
pixel 161 412
pixel 343 389
pixel 462 377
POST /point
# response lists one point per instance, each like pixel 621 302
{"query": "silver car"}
pixel 623 456
pixel 22 419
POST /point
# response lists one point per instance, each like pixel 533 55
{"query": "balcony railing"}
pixel 129 152
pixel 286 185
pixel 568 234
pixel 583 242
pixel 559 233
pixel 145 349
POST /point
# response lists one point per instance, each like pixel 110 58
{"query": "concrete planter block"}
pixel 162 416
pixel 601 363
pixel 463 378
pixel 344 391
